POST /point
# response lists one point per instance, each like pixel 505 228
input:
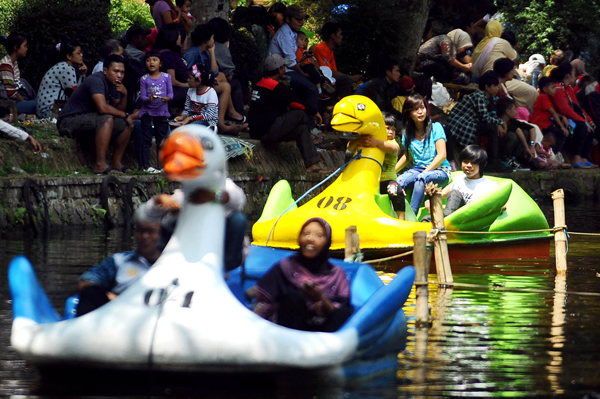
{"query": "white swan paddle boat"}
pixel 182 315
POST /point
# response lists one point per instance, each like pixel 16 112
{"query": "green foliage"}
pixel 124 13
pixel 7 8
pixel 46 23
pixel 98 212
pixel 20 215
pixel 545 25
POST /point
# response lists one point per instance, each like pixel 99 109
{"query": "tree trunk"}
pixel 410 30
pixel 205 10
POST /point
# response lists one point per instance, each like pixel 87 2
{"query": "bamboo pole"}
pixel 422 269
pixel 352 243
pixel 560 237
pixel 438 235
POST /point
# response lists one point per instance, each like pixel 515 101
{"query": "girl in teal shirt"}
pixel 426 147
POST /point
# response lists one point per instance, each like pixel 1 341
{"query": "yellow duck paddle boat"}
pixel 353 199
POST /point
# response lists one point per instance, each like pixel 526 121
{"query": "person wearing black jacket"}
pixel 275 116
pixel 378 89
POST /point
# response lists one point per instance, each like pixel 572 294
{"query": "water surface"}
pixel 482 343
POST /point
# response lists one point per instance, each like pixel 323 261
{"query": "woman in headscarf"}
pixel 305 291
pixel 490 48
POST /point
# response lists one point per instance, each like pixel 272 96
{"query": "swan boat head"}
pixel 194 155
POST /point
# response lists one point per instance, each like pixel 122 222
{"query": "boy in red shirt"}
pixel 545 116
pixel 323 52
pixel 307 63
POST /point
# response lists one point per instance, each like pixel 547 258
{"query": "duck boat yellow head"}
pixel 353 199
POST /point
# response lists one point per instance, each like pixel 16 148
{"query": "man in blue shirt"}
pixel 103 282
pixel 284 43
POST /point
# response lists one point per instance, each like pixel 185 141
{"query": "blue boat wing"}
pixel 384 303
pixel 28 298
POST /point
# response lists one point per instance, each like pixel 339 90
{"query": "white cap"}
pixel 538 58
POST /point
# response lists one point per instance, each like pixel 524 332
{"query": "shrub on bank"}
pixel 124 13
pixel 46 23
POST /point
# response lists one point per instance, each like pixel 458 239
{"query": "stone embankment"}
pixel 56 188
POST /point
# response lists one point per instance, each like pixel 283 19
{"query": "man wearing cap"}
pixel 284 43
pixel 275 116
pixel 331 33
pixel 136 42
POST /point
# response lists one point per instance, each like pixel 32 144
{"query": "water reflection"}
pixel 482 342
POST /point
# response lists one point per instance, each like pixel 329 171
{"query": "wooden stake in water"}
pixel 422 269
pixel 560 237
pixel 352 242
pixel 442 259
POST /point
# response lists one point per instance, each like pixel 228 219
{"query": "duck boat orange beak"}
pixel 182 157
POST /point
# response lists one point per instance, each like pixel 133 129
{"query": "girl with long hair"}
pixel 425 145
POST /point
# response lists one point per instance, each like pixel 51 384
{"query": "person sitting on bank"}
pixel 545 156
pixel 96 113
pixel 202 101
pixel 517 145
pixel 17 89
pixel 110 46
pixel 565 102
pixel 62 79
pixel 275 116
pixel 308 64
pixel 462 37
pixel 472 118
pixel 378 89
pixel 436 57
pixel 557 58
pixel 105 281
pixel 284 43
pixel 14 133
pixel 545 116
pixel 331 33
pixel 137 42
pixel 470 184
pixel 305 291
pixel 387 179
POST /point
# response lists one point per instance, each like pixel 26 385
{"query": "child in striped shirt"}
pixel 202 101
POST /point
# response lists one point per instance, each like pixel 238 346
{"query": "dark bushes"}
pixel 47 22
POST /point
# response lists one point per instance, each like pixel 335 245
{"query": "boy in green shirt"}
pixel 387 180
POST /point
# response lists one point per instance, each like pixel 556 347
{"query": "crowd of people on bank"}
pixel 522 115
pixel 150 80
